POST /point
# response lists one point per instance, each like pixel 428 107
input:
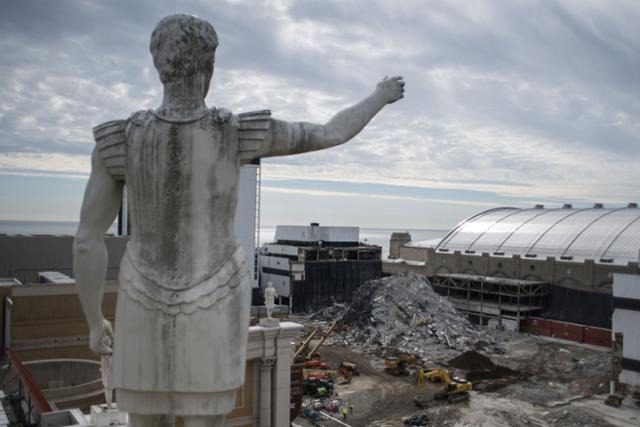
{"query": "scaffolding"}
pixel 483 298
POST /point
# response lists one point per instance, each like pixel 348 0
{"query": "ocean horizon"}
pixel 369 235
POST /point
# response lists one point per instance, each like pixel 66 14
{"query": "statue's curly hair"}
pixel 183 45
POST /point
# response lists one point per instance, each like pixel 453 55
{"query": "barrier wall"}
pixel 568 331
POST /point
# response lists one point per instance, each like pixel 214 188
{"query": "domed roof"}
pixel 605 235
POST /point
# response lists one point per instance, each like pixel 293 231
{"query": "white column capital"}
pixel 266 362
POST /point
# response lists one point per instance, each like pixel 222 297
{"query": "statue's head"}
pixel 183 46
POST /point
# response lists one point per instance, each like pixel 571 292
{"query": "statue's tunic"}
pixel 183 307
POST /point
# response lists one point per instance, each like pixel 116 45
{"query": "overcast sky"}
pixel 507 102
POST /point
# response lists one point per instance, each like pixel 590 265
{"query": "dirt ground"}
pixel 374 394
pixel 557 384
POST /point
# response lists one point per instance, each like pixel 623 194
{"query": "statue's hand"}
pixel 101 339
pixel 392 89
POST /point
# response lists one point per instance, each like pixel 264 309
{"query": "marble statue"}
pixel 183 305
pixel 269 299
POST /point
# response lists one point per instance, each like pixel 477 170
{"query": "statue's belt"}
pixel 202 292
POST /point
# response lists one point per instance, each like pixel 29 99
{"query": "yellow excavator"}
pixel 453 390
pixel 397 365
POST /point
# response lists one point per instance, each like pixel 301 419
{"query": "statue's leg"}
pixel 208 421
pixel 137 420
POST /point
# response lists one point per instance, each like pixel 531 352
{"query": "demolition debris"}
pixel 416 420
pixel 403 314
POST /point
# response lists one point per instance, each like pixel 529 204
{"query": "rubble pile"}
pixel 574 418
pixel 402 313
pixel 416 420
pixel 331 312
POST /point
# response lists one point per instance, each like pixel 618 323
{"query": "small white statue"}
pixel 270 299
pixel 105 368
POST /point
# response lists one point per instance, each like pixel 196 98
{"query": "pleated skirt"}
pixel 181 364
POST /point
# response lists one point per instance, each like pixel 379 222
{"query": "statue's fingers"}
pixel 106 344
pixel 102 349
pixel 106 341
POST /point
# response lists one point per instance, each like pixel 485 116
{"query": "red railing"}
pixel 30 386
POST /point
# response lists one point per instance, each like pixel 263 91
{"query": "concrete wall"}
pixel 400 267
pixel 47 321
pixel 23 257
pixel 412 253
pixel 584 276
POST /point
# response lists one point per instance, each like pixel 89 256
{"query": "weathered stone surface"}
pixel 182 314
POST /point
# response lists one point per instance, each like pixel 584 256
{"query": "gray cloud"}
pixel 535 95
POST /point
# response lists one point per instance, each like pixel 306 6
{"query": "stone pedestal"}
pixel 269 322
pixel 101 416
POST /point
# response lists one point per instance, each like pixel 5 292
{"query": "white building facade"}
pixel 626 321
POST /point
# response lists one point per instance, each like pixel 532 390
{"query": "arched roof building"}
pixel 605 235
pixel 568 255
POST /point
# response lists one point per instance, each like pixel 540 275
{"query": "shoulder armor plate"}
pixel 252 129
pixel 111 141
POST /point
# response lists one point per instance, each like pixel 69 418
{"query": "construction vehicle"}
pixel 397 365
pixel 317 387
pixel 453 389
pixel 316 364
pixel 349 367
pixel 347 371
pixel 326 334
pixel 329 374
pixel 297 356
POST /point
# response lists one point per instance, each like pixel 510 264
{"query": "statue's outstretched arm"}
pixel 293 138
pixel 102 199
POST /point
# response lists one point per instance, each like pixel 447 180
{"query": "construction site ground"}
pixel 544 382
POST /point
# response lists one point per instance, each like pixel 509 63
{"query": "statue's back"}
pixel 184 279
pixel 182 183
